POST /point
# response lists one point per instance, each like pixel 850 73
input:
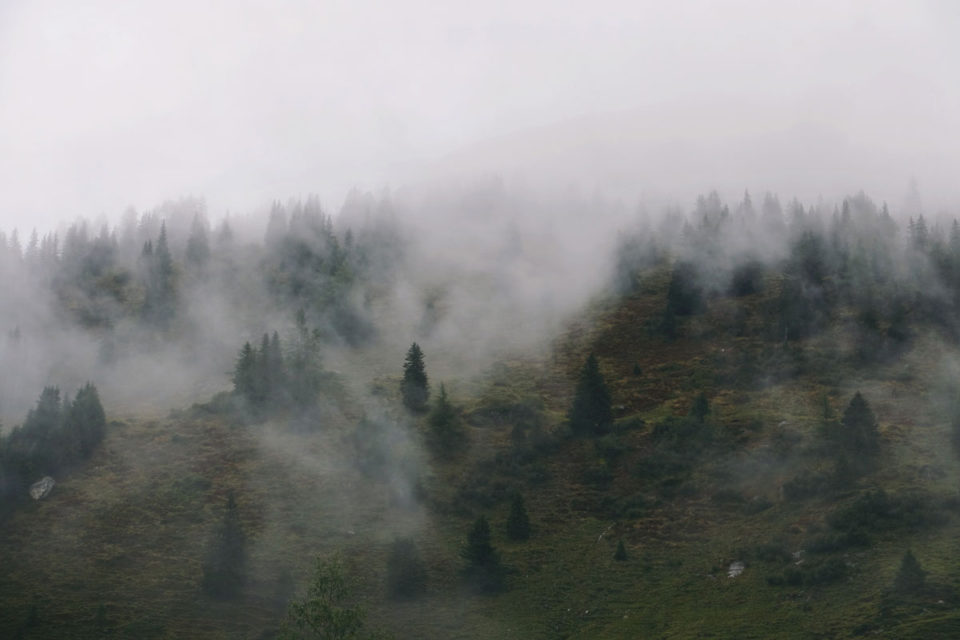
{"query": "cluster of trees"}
pixel 57 434
pixel 272 377
pixel 813 263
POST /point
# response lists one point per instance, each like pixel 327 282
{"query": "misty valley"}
pixel 483 411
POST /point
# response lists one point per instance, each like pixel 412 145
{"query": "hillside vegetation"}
pixel 736 439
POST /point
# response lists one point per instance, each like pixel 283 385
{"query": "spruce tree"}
pixel 244 373
pixel 224 569
pixel 483 570
pixel 859 433
pixel 446 430
pixel 621 553
pixel 911 576
pixel 518 522
pixel 591 413
pixel 415 387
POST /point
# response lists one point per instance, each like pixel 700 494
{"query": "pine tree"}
pixel 446 431
pixel 87 418
pixel 911 576
pixel 244 375
pixel 621 553
pixel 591 413
pixel 224 570
pixel 406 573
pixel 859 433
pixel 483 569
pixel 518 522
pixel 415 387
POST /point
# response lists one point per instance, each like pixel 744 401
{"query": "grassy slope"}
pixel 129 530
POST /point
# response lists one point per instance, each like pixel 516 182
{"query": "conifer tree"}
pixel 224 569
pixel 244 374
pixel 700 408
pixel 483 569
pixel 621 553
pixel 591 413
pixel 415 387
pixel 518 522
pixel 446 430
pixel 859 433
pixel 911 576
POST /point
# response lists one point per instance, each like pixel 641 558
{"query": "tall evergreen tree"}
pixel 198 247
pixel 859 433
pixel 591 413
pixel 244 372
pixel 483 569
pixel 87 419
pixel 415 387
pixel 446 430
pixel 224 569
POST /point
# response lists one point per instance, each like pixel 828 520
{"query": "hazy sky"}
pixel 109 104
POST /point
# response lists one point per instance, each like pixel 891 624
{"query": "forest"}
pixel 475 413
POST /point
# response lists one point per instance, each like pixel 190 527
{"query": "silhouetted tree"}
pixel 859 433
pixel 198 247
pixel 483 570
pixel 621 553
pixel 911 576
pixel 591 413
pixel 224 569
pixel 518 522
pixel 406 573
pixel 446 430
pixel 415 388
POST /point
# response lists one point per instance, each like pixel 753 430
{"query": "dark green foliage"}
pixel 224 568
pixel 483 571
pixel 685 434
pixel 446 430
pixel 823 572
pixel 266 379
pixel 55 436
pixel 747 278
pixel 859 435
pixel 328 610
pixel 684 295
pixel 415 388
pixel 700 408
pixel 86 419
pixel 591 413
pixel 879 511
pixel 518 522
pixel 910 576
pixel 406 572
pixel 620 554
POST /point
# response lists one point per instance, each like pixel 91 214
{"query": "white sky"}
pixel 109 104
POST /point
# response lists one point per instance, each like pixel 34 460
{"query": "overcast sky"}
pixel 109 104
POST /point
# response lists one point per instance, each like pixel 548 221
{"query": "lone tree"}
pixel 621 553
pixel 518 522
pixel 911 576
pixel 591 413
pixel 224 569
pixel 415 387
pixel 859 433
pixel 326 611
pixel 483 570
pixel 406 573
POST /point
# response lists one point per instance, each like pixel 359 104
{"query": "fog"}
pixel 104 106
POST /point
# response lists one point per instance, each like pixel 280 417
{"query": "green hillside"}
pixel 117 550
